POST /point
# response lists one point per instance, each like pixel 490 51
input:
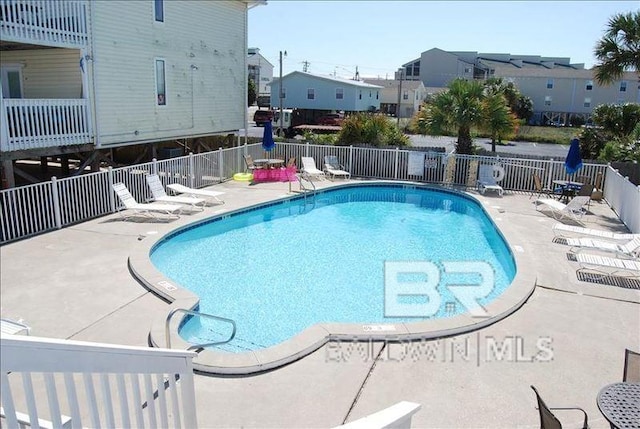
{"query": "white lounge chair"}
pixel 309 168
pixel 573 210
pixel 628 249
pixel 561 230
pixel 333 168
pixel 211 196
pixel 149 210
pixel 397 416
pixel 609 266
pixel 488 178
pixel 159 194
pixel 14 328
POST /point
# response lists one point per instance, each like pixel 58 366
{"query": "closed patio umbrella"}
pixel 267 138
pixel 573 162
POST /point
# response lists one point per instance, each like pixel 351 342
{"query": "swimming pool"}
pixel 282 268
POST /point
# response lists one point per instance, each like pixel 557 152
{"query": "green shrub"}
pixel 371 129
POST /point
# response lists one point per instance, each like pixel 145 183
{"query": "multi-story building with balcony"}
pixel 559 89
pixel 260 71
pixel 85 76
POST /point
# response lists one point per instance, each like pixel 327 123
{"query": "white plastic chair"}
pixel 149 210
pixel 159 194
pixel 628 249
pixel 561 230
pixel 309 168
pixel 488 178
pixel 196 193
pixel 573 210
pixel 333 168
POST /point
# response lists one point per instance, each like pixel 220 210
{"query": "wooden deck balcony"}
pixel 60 23
pixel 43 123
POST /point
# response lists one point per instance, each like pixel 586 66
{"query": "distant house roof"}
pixel 391 83
pixel 343 81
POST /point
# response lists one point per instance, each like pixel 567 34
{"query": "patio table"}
pixel 619 403
pixel 569 188
pixel 268 162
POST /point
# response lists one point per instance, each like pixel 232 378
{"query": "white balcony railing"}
pixel 96 385
pixel 61 23
pixel 42 123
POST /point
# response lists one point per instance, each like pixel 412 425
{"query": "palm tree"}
pixel 459 108
pixel 619 48
pixel 498 119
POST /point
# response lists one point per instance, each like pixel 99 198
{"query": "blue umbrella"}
pixel 573 162
pixel 267 138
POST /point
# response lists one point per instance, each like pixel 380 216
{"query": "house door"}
pixel 11 78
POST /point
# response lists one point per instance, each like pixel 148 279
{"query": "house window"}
pixel 161 90
pixel 549 83
pixel 284 92
pixel 158 6
pixel 467 70
pixel 405 95
pixel 339 93
pixel 587 102
pixel 377 93
pixel 547 100
pixel 623 86
pixel 369 94
pixel 360 96
pixel 589 85
pixel 11 82
pixel 311 94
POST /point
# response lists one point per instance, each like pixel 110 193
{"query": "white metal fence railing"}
pixel 34 209
pixel 38 123
pixel 56 22
pixel 624 198
pixel 95 385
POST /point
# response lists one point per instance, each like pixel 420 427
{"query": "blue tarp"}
pixel 267 138
pixel 573 162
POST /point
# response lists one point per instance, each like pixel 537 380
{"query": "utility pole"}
pixel 305 66
pixel 280 94
pixel 399 97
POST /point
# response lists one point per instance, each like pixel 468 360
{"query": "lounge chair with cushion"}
pixel 149 210
pixel 309 168
pixel 333 168
pixel 159 194
pixel 209 196
pixel 488 177
pixel 562 230
pixel 548 420
pixel 573 210
pixel 606 265
pixel 629 249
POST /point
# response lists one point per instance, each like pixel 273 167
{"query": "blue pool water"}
pixel 279 269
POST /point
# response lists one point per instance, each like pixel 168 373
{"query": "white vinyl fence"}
pixel 34 209
pixel 78 384
pixel 624 198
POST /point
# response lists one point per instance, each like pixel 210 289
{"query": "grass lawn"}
pixel 559 135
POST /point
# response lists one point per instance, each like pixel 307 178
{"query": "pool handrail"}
pixel 198 313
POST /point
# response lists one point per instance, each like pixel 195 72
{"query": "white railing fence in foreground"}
pixel 34 209
pixel 624 198
pixel 96 385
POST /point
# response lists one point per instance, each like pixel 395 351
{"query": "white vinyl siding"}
pixel 204 99
pixel 51 73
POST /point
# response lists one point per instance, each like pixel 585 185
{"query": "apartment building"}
pixel 560 90
pixel 260 71
pixel 82 76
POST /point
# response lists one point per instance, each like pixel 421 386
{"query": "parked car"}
pixel 331 119
pixel 262 116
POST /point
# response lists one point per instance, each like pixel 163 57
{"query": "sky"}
pixel 379 36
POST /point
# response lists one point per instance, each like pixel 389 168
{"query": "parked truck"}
pixel 297 121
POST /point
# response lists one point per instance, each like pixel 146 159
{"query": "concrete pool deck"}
pixel 568 339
